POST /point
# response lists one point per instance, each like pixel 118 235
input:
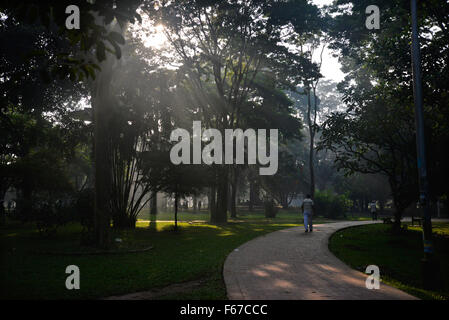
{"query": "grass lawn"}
pixel 197 252
pixel 398 256
pixel 288 216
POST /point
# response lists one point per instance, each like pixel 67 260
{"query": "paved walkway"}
pixel 291 264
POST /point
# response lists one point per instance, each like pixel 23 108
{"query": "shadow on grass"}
pixel 195 252
pixel 397 255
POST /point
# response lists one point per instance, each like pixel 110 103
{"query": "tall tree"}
pixel 223 46
pixel 79 63
pixel 379 80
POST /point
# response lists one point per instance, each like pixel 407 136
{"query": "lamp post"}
pixel 429 270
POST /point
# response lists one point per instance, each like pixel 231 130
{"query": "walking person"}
pixel 373 209
pixel 307 210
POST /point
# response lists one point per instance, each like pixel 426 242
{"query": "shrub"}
pixel 84 209
pixel 270 209
pixel 50 213
pixel 331 205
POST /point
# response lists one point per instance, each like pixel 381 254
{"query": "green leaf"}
pixel 117 37
pixel 117 50
pixel 101 51
pixel 85 69
pixel 91 71
pixel 95 66
pixel 80 75
pixel 108 17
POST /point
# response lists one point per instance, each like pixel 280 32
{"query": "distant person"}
pixel 307 210
pixel 11 205
pixel 373 210
pixel 199 205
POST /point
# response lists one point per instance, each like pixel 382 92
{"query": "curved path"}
pixel 291 264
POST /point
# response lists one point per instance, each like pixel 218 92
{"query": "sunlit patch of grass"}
pixel 11 234
pixel 142 224
pixel 440 228
pixel 196 251
pixel 226 233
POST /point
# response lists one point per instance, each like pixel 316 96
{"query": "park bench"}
pixel 416 219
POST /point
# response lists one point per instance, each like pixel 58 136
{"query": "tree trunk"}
pixel 212 203
pixel 254 195
pixel 396 227
pixel 2 214
pixel 221 213
pixel 269 207
pixel 3 191
pixel 284 202
pixel 124 221
pixel 153 223
pixel 176 211
pixel 382 207
pixel 26 209
pixel 311 144
pixel 195 203
pixel 400 207
pixel 312 171
pixel 101 100
pixel 251 196
pixel 153 203
pixel 234 194
pixel 165 203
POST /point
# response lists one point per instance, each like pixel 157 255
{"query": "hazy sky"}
pixel 330 67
